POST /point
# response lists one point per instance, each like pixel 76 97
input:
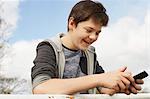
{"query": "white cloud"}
pixel 125 43
pixel 19 59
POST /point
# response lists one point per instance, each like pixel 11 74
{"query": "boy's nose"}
pixel 93 36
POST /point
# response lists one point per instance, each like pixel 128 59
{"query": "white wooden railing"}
pixel 80 96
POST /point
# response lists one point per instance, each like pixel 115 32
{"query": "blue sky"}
pixel 44 18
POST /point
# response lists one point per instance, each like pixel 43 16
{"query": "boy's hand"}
pixel 134 87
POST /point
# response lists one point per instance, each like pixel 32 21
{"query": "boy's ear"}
pixel 71 23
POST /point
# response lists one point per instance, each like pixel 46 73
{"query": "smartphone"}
pixel 141 75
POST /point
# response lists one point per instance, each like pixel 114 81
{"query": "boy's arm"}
pixel 112 80
pixel 66 86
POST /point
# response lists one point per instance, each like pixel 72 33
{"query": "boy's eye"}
pixel 97 33
pixel 88 31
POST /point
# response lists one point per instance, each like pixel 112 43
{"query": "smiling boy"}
pixel 85 22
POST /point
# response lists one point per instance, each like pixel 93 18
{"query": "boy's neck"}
pixel 67 42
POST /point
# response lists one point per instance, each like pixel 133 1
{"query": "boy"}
pixel 85 22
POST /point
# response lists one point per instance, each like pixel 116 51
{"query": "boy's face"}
pixel 85 33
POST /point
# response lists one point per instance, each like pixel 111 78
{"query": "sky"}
pixel 124 42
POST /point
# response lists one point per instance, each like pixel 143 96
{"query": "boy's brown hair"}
pixel 86 9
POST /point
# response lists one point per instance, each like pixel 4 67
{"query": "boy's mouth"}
pixel 87 42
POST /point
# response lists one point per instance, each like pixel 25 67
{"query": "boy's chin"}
pixel 83 48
